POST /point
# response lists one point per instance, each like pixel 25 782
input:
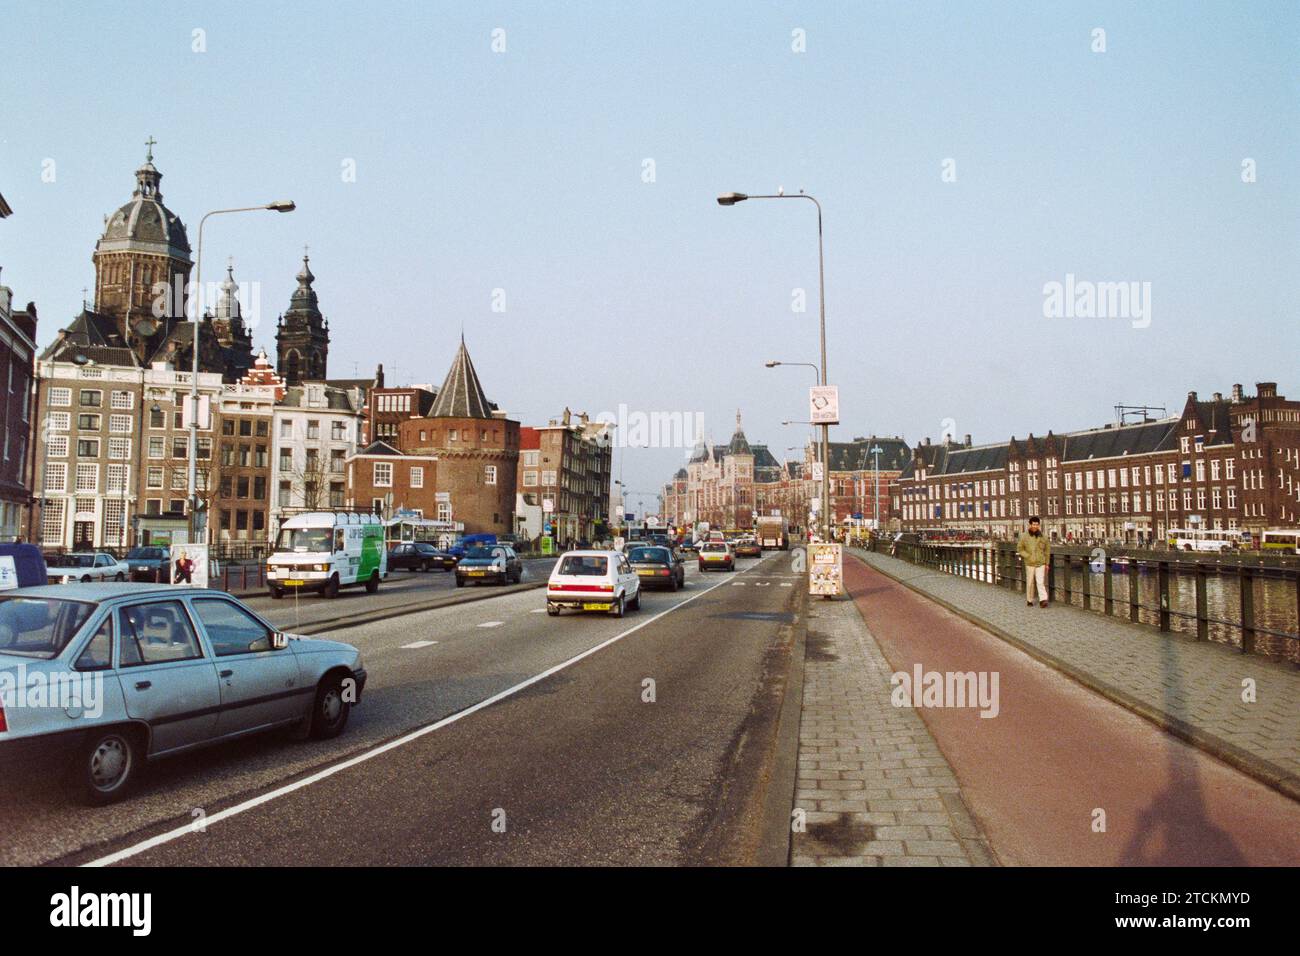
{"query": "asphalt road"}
pixel 579 767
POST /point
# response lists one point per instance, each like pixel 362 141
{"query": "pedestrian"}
pixel 1035 551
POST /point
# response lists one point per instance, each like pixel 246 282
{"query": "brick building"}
pixel 386 480
pixel 477 450
pixel 389 406
pixel 570 466
pixel 17 354
pixel 1230 464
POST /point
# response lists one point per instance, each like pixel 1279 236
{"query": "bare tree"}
pixel 311 482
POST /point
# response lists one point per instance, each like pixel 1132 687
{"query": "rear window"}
pixel 591 565
pixel 715 546
pixel 40 627
pixel 659 555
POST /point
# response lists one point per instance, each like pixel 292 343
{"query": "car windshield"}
pixel 586 565
pixel 75 561
pixel 40 627
pixel 648 555
pixel 304 539
pixel 144 554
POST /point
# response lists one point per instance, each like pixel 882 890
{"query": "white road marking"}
pixel 786 584
pixel 253 803
pixel 417 645
pixel 494 623
pixel 738 584
pixel 538 610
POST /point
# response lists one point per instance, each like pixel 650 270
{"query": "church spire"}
pixel 461 395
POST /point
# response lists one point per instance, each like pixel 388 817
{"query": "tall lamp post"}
pixel 281 205
pixel 875 452
pixel 730 199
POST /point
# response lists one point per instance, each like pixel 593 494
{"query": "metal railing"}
pixel 1071 572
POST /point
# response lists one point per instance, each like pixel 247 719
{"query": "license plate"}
pixel 646 574
pixel 295 583
pixel 595 607
pixel 477 574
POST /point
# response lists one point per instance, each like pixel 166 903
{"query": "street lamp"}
pixel 730 199
pixel 280 205
pixel 875 452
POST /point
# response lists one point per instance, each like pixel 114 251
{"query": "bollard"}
pixel 1134 592
pixel 1108 588
pixel 1087 582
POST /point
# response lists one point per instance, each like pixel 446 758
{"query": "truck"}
pixel 772 533
pixel 324 551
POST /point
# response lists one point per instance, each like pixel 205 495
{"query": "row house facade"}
pixel 1227 463
pixel 17 355
pixel 389 481
pixel 568 463
pixel 316 428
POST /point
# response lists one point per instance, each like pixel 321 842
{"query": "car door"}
pixel 168 680
pixel 259 685
pixel 630 580
pixel 103 567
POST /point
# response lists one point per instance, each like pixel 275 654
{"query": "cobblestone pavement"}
pixel 875 789
pixel 1177 681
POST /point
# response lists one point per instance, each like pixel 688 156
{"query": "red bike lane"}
pixel 1039 775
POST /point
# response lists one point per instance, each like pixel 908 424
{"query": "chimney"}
pixel 1218 396
pixel 927 439
pixel 966 441
pixel 1266 389
pixel 1236 393
pixel 1192 396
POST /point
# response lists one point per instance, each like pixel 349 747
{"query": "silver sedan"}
pixel 111 676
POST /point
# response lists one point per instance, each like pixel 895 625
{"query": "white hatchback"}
pixel 593 581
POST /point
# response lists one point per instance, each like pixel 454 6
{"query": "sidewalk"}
pixel 875 788
pixel 1193 690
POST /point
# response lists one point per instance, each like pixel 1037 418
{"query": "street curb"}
pixel 776 837
pixel 1269 774
pixel 401 610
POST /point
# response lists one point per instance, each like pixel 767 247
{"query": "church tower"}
pixel 228 323
pixel 142 264
pixel 302 336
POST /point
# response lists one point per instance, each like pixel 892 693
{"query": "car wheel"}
pixel 636 602
pixel 276 593
pixel 552 610
pixel 330 712
pixel 618 609
pixel 106 768
pixel 119 576
pixel 331 589
pixel 460 582
pixel 672 583
pixel 373 584
pixel 426 567
pixel 85 579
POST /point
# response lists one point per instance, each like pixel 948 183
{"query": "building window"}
pixel 180 448
pixel 114 512
pixel 119 448
pixel 56 476
pixel 383 477
pixel 154 477
pixel 336 494
pixel 153 507
pixel 87 478
pixel 119 423
pixel 417 476
pixel 123 400
pixel 444 511
pixel 52 523
pixel 60 421
pixel 92 397
pixel 283 498
pixel 60 398
pixel 338 431
pixel 119 479
pixel 286 428
pixel 530 478
pixel 89 423
pixel 87 448
pixel 313 429
pixel 490 474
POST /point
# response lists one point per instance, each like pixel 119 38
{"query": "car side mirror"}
pixel 279 640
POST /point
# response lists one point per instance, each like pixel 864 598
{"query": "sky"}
pixel 541 177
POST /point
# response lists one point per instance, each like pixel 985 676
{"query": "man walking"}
pixel 1035 551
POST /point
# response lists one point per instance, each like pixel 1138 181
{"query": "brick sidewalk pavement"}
pixel 875 788
pixel 1192 689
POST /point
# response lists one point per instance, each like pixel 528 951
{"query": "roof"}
pixel 144 222
pixel 91 333
pixel 5 209
pixel 856 455
pixel 107 591
pixel 461 395
pixel 1116 441
pixel 379 448
pixel 336 399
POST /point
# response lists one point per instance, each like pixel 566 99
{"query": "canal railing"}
pixel 1071 572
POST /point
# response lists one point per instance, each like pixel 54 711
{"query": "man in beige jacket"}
pixel 1035 551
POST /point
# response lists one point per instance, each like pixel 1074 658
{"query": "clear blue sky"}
pixel 523 171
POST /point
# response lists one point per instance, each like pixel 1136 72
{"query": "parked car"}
pixel 165 671
pixel 85 566
pixel 152 563
pixel 657 566
pixel 419 556
pixel 593 581
pixel 717 554
pixel 497 563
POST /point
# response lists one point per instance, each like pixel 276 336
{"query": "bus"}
pixel 1279 541
pixel 1206 539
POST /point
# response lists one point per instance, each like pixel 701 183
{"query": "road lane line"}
pixel 495 623
pixel 251 804
pixel 415 645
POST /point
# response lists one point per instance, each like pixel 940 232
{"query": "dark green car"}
pixel 496 564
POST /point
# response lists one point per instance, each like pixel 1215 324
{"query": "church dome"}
pixel 145 223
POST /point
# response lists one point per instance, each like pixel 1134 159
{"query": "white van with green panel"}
pixel 327 550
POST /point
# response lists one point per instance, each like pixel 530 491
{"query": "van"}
pixel 326 550
pixel 21 566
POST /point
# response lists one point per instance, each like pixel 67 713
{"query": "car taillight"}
pixel 3 725
pixel 663 571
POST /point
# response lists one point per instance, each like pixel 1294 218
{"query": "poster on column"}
pixel 826 568
pixel 197 556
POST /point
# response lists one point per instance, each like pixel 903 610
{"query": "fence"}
pixel 1072 573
